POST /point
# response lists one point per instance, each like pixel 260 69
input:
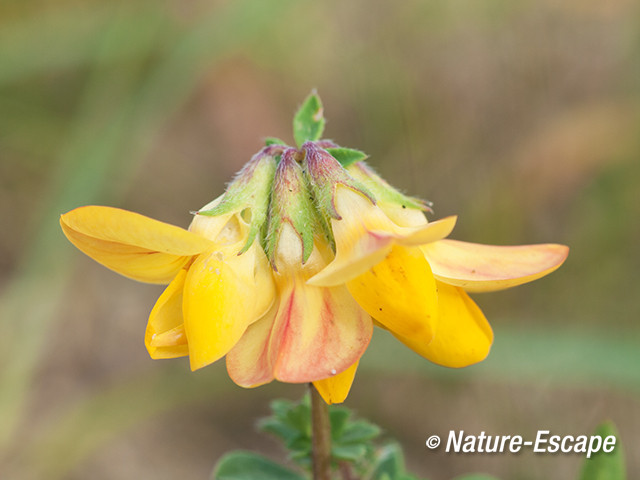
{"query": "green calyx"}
pixel 325 173
pixel 292 202
pixel 383 192
pixel 250 193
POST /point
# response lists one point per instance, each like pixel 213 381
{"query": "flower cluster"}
pixel 288 271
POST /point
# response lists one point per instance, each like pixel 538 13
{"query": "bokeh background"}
pixel 521 117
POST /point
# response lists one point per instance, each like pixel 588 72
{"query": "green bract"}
pixel 308 123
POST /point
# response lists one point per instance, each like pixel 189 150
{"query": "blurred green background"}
pixel 521 117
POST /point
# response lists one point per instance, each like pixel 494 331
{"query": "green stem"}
pixel 321 436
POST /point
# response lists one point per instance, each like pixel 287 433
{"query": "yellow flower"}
pixel 287 272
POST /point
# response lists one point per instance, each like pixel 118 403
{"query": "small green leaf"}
pixel 346 156
pixel 276 427
pixel 250 466
pixel 308 123
pixel 273 141
pixel 359 432
pixel 299 417
pixel 280 407
pixel 603 465
pixel 349 453
pixel 390 463
pixel 338 417
pixel 300 444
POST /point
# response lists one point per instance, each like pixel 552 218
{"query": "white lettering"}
pixel 515 445
pixel 609 444
pixel 596 448
pixel 458 442
pixel 540 440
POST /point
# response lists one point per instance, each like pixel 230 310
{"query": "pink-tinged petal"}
pixel 132 245
pixel 318 332
pixel 250 361
pixel 224 293
pixel 336 388
pixel 463 337
pixel 484 268
pixel 364 236
pixel 400 293
pixel 165 336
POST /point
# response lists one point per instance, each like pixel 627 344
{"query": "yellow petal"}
pixel 364 236
pixel 404 217
pixel 165 337
pixel 318 332
pixel 483 268
pixel 463 337
pixel 171 338
pixel 212 227
pixel 336 388
pixel 224 293
pixel 400 293
pixel 250 361
pixel 133 245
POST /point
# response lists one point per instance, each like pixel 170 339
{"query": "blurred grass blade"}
pixel 70 35
pixel 110 138
pixel 605 465
pixel 30 302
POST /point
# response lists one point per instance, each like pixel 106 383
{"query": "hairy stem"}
pixel 321 436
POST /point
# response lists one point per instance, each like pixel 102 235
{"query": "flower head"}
pixel 286 273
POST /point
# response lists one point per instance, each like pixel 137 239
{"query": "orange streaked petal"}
pixel 224 294
pixel 484 268
pixel 336 388
pixel 463 337
pixel 318 332
pixel 250 361
pixel 400 293
pixel 132 245
pixel 165 337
